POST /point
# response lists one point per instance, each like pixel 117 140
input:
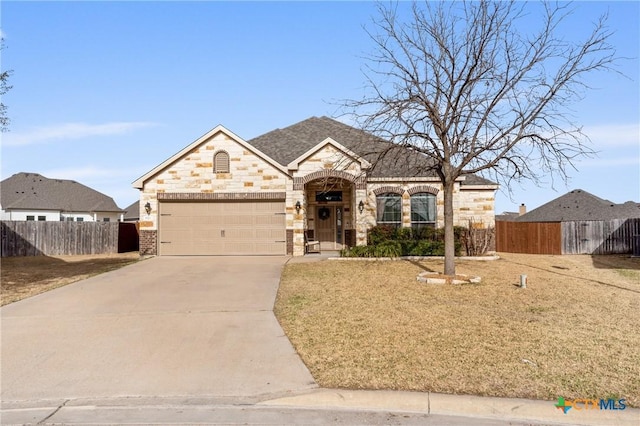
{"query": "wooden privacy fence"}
pixel 616 236
pixel 529 237
pixel 30 238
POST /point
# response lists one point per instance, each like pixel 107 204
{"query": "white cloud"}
pixel 71 131
pixel 614 134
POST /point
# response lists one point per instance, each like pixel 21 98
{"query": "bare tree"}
pixel 480 87
pixel 4 88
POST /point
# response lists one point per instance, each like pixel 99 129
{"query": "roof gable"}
pixel 386 159
pixel 138 183
pixel 364 164
pixel 33 191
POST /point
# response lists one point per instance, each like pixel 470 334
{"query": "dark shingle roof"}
pixel 286 145
pixel 580 205
pixel 387 159
pixel 132 211
pixel 507 216
pixel 34 191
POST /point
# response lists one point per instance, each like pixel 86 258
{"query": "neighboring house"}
pixel 30 196
pixel 132 212
pixel 506 216
pixel 510 216
pixel 579 205
pixel 575 223
pixel 224 195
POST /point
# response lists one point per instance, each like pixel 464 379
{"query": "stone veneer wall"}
pixel 475 204
pixel 193 173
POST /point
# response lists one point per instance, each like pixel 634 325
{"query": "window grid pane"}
pixel 423 210
pixel 389 209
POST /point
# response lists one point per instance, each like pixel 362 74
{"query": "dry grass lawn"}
pixel 22 277
pixel 573 332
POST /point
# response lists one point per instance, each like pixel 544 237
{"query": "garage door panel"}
pixel 222 228
pixel 238 220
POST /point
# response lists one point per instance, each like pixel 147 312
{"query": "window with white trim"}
pixel 221 162
pixel 389 209
pixel 423 210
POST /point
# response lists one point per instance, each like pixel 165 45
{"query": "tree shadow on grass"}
pixel 557 270
pixel 616 261
pixel 420 265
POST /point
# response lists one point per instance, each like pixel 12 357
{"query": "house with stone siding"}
pixel 320 179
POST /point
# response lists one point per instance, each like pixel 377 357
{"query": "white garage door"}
pixel 222 228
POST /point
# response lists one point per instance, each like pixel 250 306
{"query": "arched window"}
pixel 221 162
pixel 389 209
pixel 423 210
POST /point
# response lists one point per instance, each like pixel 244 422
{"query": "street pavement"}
pixel 193 340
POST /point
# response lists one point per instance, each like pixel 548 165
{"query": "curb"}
pixel 457 405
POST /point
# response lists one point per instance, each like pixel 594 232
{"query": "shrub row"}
pixel 386 241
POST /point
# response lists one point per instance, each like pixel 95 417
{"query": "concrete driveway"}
pixel 185 327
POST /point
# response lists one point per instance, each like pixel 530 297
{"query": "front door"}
pixel 329 227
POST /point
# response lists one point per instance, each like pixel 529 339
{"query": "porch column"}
pixel 296 220
pixel 363 220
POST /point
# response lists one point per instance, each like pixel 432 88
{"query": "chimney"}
pixel 522 210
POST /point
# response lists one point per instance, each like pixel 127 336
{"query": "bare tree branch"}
pixel 481 87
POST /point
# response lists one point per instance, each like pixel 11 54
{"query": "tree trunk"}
pixel 449 237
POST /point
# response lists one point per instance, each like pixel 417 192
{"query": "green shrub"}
pixel 425 233
pixel 428 248
pixel 408 246
pixel 380 234
pixel 358 251
pixel 387 241
pixel 404 234
pixel 388 249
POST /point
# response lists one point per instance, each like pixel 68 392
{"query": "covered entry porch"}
pixel 330 209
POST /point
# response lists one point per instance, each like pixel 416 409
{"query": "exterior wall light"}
pixel 298 206
pixel 360 206
pixel 147 208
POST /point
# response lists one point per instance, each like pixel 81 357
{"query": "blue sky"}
pixel 105 91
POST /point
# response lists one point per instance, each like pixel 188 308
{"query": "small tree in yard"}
pixel 4 88
pixel 480 87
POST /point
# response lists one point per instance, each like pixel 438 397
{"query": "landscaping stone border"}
pixel 429 277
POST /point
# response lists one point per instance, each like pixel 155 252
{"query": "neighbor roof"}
pixel 132 211
pixel 580 205
pixel 32 191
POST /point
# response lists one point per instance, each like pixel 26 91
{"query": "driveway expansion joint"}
pixel 54 412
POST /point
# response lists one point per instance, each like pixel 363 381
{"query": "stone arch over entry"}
pixel 358 181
